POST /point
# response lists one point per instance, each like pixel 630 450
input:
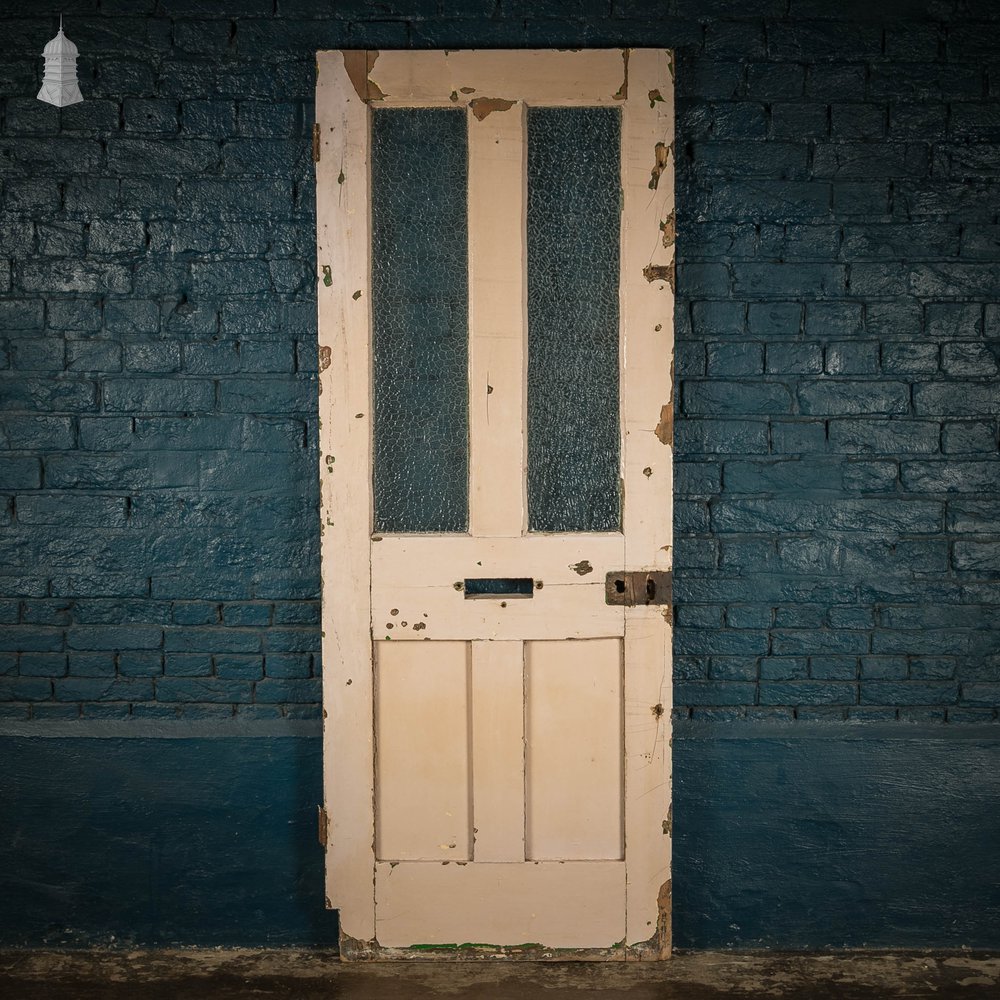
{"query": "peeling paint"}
pixel 355 950
pixel 359 64
pixel 622 93
pixel 327 275
pixel 660 272
pixel 483 106
pixel 661 156
pixel 669 229
pixel 665 428
pixel 664 900
pixel 324 358
pixel 582 568
pixel 356 67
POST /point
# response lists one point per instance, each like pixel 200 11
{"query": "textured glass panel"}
pixel 573 230
pixel 420 319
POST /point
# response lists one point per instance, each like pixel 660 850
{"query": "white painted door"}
pixel 495 303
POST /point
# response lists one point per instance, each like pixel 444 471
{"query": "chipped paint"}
pixel 322 825
pixel 661 156
pixel 655 97
pixel 467 90
pixel 668 227
pixel 582 568
pixel 660 272
pixel 453 96
pixel 324 358
pixel 664 900
pixel 356 67
pixel 316 142
pixel 355 950
pixel 621 94
pixel 648 471
pixel 359 64
pixel 665 428
pixel 356 295
pixel 327 275
pixel 483 106
pixel 657 711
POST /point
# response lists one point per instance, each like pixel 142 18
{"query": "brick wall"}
pixel 838 548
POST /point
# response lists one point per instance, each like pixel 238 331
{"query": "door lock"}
pixel 639 586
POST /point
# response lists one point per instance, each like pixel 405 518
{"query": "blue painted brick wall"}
pixel 838 324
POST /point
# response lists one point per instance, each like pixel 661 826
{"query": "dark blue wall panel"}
pixel 161 841
pixel 825 840
pixel 805 840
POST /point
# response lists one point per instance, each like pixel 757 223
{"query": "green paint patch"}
pixel 471 945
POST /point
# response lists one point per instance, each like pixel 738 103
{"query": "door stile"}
pixel 497 322
pixel 343 257
pixel 648 304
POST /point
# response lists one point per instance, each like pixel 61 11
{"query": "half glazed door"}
pixel 495 251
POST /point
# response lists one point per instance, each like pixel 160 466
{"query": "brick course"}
pixel 838 324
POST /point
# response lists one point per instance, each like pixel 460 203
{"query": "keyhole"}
pixel 650 590
pixel 619 586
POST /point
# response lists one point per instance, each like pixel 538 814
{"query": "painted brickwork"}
pixel 838 549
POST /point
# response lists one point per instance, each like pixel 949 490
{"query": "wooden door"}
pixel 495 252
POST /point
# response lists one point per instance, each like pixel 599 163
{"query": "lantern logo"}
pixel 59 85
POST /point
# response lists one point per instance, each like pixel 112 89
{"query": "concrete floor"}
pixel 310 975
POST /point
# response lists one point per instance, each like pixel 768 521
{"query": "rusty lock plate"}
pixel 639 586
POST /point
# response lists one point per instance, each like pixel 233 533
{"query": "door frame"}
pixel 640 82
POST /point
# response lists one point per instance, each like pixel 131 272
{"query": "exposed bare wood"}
pixel 572 904
pixel 497 321
pixel 342 247
pixel 573 751
pixel 498 750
